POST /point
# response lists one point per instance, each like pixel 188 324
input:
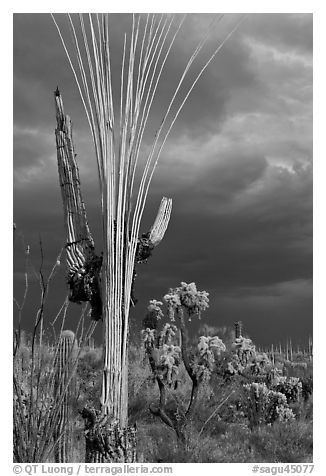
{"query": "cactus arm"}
pixel 158 229
pixel 65 386
pixel 148 241
pixel 83 264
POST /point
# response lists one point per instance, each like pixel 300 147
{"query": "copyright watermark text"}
pixel 81 469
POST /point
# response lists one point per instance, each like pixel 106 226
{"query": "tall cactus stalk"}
pixel 273 354
pixel 238 329
pixel 65 385
pixel 84 271
pixel 310 350
pixel 83 264
pixel 118 121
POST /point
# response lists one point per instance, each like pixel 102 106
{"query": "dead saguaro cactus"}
pixel 83 264
pixel 85 267
pixel 118 130
pixel 107 442
pixel 65 391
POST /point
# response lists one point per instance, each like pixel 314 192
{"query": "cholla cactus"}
pixel 233 366
pixel 262 368
pixel 170 360
pixel 244 348
pixel 154 314
pixel 168 348
pixel 265 406
pixel 148 337
pixel 173 301
pixel 165 357
pixel 284 414
pixel 167 334
pixel 203 363
pixel 155 306
pixel 210 344
pixel 291 387
pixel 186 297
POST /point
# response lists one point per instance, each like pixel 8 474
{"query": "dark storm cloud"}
pixel 25 153
pixel 39 65
pixel 249 244
pixel 237 165
pixel 289 32
pixel 256 216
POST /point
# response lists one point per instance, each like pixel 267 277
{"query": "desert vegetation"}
pixel 205 397
pixel 164 395
pixel 252 412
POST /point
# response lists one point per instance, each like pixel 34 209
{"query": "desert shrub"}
pixel 291 442
pixel 291 387
pixel 303 409
pixel 265 406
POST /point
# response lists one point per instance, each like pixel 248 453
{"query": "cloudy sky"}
pixel 238 166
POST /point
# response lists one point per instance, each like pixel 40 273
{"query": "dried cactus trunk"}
pixel 107 442
pixel 83 264
pixel 65 390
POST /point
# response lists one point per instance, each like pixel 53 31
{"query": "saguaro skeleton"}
pixel 84 279
pixel 84 265
pixel 118 121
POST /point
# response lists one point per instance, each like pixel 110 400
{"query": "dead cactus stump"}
pixel 106 442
